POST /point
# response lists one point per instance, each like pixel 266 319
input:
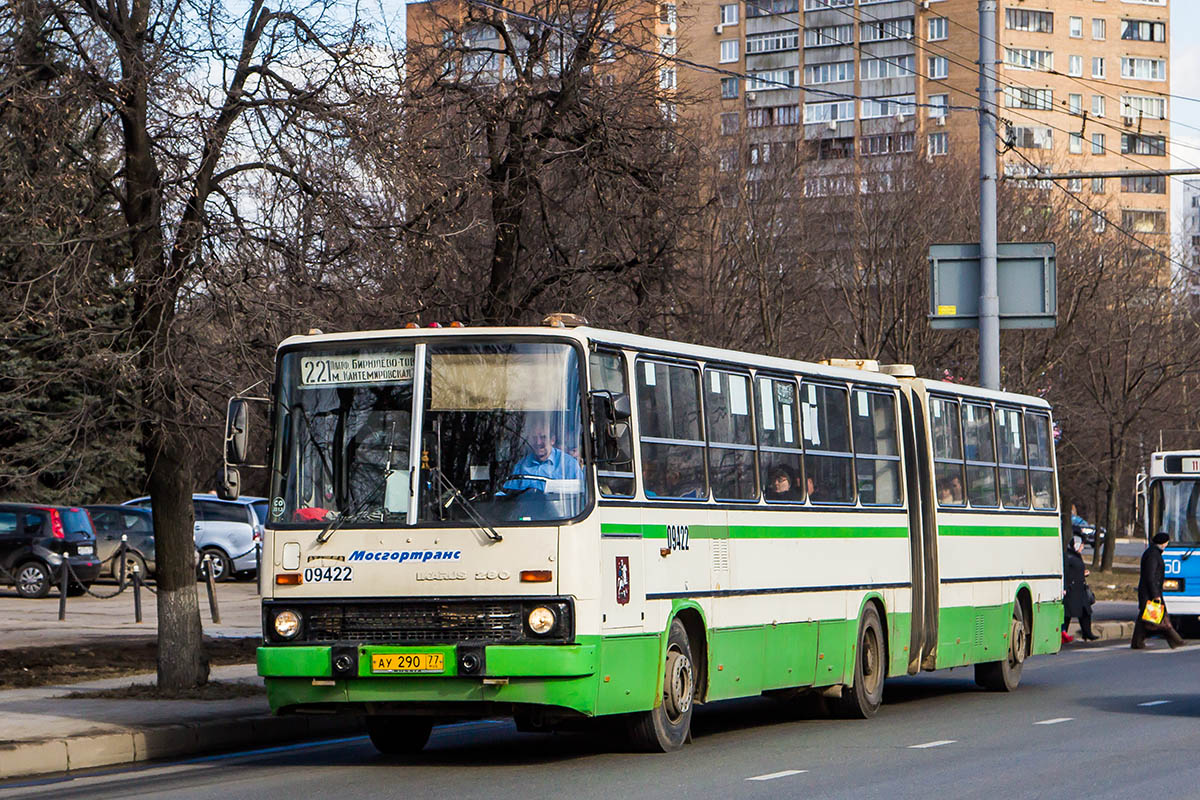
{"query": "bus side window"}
pixel 668 397
pixel 980 451
pixel 1014 477
pixel 877 456
pixel 608 374
pixel 1041 462
pixel 730 430
pixel 828 460
pixel 780 456
pixel 947 451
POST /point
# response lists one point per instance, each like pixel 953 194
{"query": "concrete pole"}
pixel 989 299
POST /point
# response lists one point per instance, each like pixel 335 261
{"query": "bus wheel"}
pixel 862 700
pixel 1004 676
pixel 665 728
pixel 398 736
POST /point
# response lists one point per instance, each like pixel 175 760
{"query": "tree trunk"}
pixel 1111 511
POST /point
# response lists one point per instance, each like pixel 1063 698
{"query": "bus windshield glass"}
pixel 501 434
pixel 343 423
pixel 1175 510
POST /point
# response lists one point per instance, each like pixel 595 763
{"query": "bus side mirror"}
pixel 237 431
pixel 610 420
pixel 229 483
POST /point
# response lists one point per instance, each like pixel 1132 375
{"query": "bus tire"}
pixel 862 700
pixel 398 735
pixel 1005 675
pixel 667 726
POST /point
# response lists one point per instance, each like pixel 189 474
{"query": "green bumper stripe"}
pixel 502 661
pixel 761 531
pixel 995 530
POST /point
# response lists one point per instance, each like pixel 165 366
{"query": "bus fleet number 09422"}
pixel 328 574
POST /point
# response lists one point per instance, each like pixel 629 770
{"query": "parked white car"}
pixel 227 531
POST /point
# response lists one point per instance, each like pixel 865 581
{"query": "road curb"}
pixel 1107 631
pixel 106 749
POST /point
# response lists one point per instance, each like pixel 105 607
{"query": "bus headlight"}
pixel 541 620
pixel 1172 585
pixel 287 624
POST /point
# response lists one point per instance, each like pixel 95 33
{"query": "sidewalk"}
pixel 46 732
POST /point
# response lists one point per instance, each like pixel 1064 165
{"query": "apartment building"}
pixel 1189 231
pixel 1083 87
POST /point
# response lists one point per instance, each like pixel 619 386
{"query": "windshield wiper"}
pixel 467 506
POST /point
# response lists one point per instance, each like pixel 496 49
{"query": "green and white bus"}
pixel 558 522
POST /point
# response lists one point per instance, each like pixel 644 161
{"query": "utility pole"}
pixel 989 298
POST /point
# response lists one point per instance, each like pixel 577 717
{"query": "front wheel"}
pixel 665 727
pixel 399 736
pixel 862 700
pixel 1005 675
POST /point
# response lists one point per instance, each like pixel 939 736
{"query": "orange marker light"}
pixel 536 576
pixel 289 579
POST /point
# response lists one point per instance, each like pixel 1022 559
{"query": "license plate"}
pixel 85 550
pixel 408 662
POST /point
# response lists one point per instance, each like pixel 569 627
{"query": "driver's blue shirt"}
pixel 559 466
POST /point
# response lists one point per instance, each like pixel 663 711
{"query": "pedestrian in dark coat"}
pixel 1150 587
pixel 1076 600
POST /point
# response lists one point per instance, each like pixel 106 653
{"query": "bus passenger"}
pixel 950 491
pixel 544 460
pixel 780 485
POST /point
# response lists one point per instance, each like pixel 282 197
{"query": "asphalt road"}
pixel 1094 722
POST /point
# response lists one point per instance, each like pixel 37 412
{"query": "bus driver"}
pixel 544 459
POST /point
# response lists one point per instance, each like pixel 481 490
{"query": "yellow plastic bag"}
pixel 1153 612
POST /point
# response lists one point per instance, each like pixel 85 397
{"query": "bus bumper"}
pixel 302 678
pixel 1180 604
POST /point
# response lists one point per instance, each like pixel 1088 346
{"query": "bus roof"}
pixel 983 394
pixel 1178 463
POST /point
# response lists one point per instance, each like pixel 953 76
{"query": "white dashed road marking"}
pixel 770 776
pixel 1154 703
pixel 938 743
pixel 1054 721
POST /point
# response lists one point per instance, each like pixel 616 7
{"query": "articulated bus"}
pixel 1172 503
pixel 561 522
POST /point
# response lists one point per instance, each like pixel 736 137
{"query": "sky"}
pixel 1184 74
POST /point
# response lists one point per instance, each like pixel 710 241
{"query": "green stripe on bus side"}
pixel 760 531
pixel 995 530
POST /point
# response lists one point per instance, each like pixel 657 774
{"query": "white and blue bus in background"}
pixel 1172 495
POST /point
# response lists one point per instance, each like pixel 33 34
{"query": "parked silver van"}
pixel 227 531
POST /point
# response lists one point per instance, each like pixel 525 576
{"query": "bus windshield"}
pixel 499 443
pixel 502 434
pixel 1175 510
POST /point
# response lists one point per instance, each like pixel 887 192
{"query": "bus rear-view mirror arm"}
pixel 610 422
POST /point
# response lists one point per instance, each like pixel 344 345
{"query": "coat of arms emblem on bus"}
pixel 622 580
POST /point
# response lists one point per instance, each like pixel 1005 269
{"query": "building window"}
pixel 1076 27
pixel 729 50
pixel 728 160
pixel 939 143
pixel 1074 218
pixel 729 88
pixel 893 67
pixel 874 108
pixel 937 105
pixel 939 67
pixel 774 41
pixel 668 45
pixel 1098 67
pixel 1035 138
pixel 1099 222
pixel 818 5
pixel 1139 106
pixel 1144 221
pixel 758 118
pixel 829 73
pixel 837 111
pixel 829 36
pixel 1097 185
pixel 1075 142
pixel 938 29
pixel 1075 104
pixel 1143 144
pixel 763 8
pixel 1097 144
pixel 1145 184
pixel 666 78
pixel 1140 30
pixel 1099 29
pixel 771 79
pixel 1075 66
pixel 790 115
pixel 729 123
pixel 877 31
pixel 1144 69
pixel 729 14
pixel 1097 105
pixel 666 13
pixel 1023 58
pixel 1075 184
pixel 1039 99
pixel 829 149
pixel 1016 19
